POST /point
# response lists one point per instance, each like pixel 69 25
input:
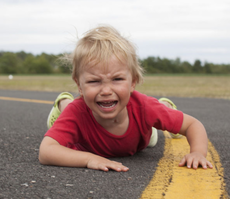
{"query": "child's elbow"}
pixel 44 151
pixel 41 158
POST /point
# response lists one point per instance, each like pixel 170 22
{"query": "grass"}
pixel 156 85
pixel 38 83
pixel 187 86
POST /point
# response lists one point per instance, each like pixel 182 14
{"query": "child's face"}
pixel 106 90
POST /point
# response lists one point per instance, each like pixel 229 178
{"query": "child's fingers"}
pixel 193 160
pixel 189 162
pixel 103 168
pixel 124 169
pixel 116 166
pixel 206 164
pixel 100 163
pixel 195 164
pixel 118 169
pixel 203 163
pixel 182 162
pixel 209 165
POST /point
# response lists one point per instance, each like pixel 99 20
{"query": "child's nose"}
pixel 106 90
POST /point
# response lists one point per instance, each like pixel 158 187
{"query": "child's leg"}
pixel 59 105
pixel 63 103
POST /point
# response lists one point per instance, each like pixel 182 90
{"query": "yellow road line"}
pixel 171 181
pixel 26 100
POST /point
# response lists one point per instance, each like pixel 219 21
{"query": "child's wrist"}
pixel 202 152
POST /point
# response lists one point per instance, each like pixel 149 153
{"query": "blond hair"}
pixel 98 45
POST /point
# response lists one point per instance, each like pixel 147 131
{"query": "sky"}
pixel 190 30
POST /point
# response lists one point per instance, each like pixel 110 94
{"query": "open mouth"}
pixel 109 104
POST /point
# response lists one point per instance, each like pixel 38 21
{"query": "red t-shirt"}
pixel 76 127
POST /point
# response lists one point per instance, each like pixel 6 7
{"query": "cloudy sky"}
pixel 197 29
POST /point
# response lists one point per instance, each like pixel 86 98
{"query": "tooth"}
pixel 107 106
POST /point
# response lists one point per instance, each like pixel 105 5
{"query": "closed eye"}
pixel 94 81
pixel 118 79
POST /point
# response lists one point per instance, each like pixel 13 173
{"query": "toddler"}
pixel 110 118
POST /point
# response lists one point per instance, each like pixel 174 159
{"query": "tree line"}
pixel 27 63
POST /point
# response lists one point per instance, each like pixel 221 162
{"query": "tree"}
pixel 150 65
pixel 37 65
pixel 42 66
pixel 207 68
pixel 22 55
pixel 197 68
pixel 8 63
pixel 28 64
pixel 186 67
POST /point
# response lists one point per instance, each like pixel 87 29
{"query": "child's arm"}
pixel 52 153
pixel 198 141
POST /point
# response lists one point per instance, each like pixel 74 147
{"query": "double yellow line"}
pixel 171 181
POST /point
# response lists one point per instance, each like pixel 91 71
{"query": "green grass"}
pixel 211 86
pixel 187 86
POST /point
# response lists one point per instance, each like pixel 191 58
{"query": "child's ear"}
pixel 133 85
pixel 78 85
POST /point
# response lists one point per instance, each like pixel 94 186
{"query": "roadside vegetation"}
pixel 163 77
pixel 27 63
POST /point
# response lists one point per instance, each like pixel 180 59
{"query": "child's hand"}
pixel 100 163
pixel 195 159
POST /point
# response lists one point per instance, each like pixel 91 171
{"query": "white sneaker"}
pixel 153 138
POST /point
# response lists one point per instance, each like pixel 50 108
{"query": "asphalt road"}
pixel 23 124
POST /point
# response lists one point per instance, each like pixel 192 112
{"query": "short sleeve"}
pixel 162 117
pixel 65 129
